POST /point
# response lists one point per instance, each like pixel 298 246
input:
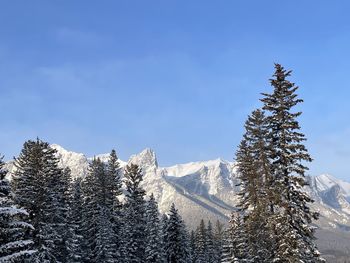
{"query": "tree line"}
pixel 83 220
pixel 105 216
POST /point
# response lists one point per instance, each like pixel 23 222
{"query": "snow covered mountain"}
pixel 209 189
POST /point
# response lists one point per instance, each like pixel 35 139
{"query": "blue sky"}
pixel 177 76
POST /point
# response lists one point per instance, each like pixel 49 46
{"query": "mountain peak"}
pixel 58 147
pixel 77 162
pixel 145 159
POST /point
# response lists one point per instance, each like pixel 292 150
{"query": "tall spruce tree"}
pixel 236 247
pixel 61 187
pixel 293 234
pixel 177 241
pixel 210 243
pixel 115 188
pixel 164 220
pixel 254 172
pixel 99 193
pixel 228 255
pixel 37 182
pixel 201 243
pixel 15 233
pixel 218 240
pixel 75 242
pixel 193 253
pixel 134 216
pixel 153 252
pixel 108 187
pixel 90 211
pixel 241 245
pixel 113 182
pixel 254 168
pixel 105 250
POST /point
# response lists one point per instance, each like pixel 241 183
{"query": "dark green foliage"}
pixel 193 247
pixel 99 193
pixel 176 244
pixel 104 250
pixel 254 171
pixel 228 245
pixel 210 244
pixel 134 216
pixel 15 233
pixel 153 251
pixel 38 188
pixel 201 243
pixel 164 220
pixel 205 244
pixel 114 186
pixel 236 246
pixel 113 182
pixel 254 168
pixel 62 186
pixel 218 240
pixel 75 241
pixel 90 210
pixel 294 237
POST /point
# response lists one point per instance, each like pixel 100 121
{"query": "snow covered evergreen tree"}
pixel 115 188
pixel 201 243
pixel 210 243
pixel 134 216
pixel 154 244
pixel 193 247
pixel 75 242
pixel 254 171
pixel 235 244
pixel 61 187
pixel 294 236
pixel 112 183
pixel 254 168
pixel 37 181
pixel 108 187
pixel 90 211
pixel 241 245
pixel 105 250
pixel 218 240
pixel 177 241
pixel 204 248
pixel 98 207
pixel 227 254
pixel 15 233
pixel 163 233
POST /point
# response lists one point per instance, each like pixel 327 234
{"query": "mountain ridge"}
pixel 210 181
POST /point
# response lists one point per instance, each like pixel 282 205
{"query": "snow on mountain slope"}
pixel 326 181
pixel 104 158
pixel 77 162
pixel 209 188
pixel 146 159
pixel 196 189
